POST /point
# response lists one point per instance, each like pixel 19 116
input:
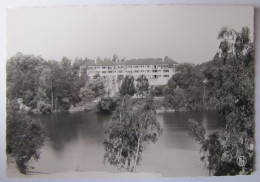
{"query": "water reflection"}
pixel 65 127
pixel 76 142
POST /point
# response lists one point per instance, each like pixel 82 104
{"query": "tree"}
pixel 44 92
pixel 236 97
pixel 93 89
pixel 211 147
pixel 127 87
pixel 231 85
pixel 185 89
pixel 23 72
pixel 157 91
pixel 65 84
pixel 107 104
pixel 142 86
pixel 145 127
pixel 115 58
pixel 133 124
pixel 24 136
pixel 117 142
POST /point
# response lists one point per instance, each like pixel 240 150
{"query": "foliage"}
pixel 93 89
pixel 24 137
pixel 127 86
pixel 142 86
pixel 107 104
pixel 157 91
pixel 230 88
pixel 43 107
pixel 23 72
pixel 185 89
pixel 133 124
pixel 196 132
pixel 41 84
pixel 211 147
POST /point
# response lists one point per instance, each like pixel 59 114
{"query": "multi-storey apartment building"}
pixel 157 71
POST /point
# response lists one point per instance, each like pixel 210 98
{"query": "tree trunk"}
pixel 120 115
pixel 128 163
pixel 51 98
pixel 118 155
pixel 136 155
pixel 119 158
pixel 55 104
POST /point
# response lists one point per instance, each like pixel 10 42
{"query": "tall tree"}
pixel 23 72
pixel 142 86
pixel 44 92
pixel 185 88
pixel 231 84
pixel 127 86
pixel 133 124
pixel 145 127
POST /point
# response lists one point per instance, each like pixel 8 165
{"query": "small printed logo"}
pixel 241 161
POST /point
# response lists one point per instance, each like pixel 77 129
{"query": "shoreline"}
pixel 12 172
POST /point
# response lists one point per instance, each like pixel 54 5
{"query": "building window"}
pixel 120 71
pixel 154 71
pixel 165 70
pixel 148 71
pixel 129 66
pixel 129 71
pixel 104 72
pixel 136 66
pixel 104 67
pixel 136 71
pixel 165 66
pixel 166 75
pixel 110 67
pixel 91 72
pixel 148 66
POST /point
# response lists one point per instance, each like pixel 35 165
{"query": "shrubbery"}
pixel 43 108
pixel 24 137
pixel 107 104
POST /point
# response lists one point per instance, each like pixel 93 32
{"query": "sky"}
pixel 183 33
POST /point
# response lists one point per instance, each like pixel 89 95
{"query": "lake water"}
pixel 75 142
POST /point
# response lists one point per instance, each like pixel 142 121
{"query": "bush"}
pixel 24 137
pixel 107 104
pixel 43 107
pixel 157 91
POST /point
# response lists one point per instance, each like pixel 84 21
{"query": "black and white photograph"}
pixel 130 91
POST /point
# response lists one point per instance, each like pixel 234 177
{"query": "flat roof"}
pixel 145 61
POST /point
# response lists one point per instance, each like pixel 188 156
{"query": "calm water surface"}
pixel 76 143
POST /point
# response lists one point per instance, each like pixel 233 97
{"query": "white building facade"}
pixel 157 71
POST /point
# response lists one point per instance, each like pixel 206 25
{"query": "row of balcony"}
pixel 126 66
